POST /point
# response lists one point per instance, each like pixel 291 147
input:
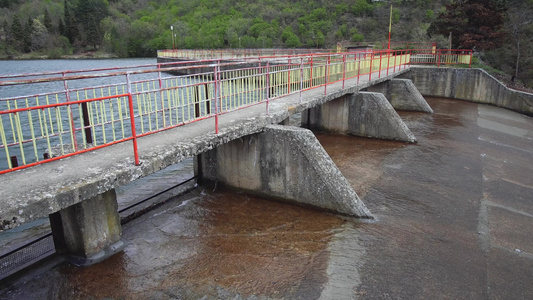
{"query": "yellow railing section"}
pixel 442 57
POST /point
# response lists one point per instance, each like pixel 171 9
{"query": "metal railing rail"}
pixel 43 127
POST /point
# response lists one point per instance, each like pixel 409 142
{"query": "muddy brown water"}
pixel 453 221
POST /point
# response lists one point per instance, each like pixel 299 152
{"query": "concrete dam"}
pixel 83 197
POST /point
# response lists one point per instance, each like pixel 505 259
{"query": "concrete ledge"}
pixel 283 162
pixel 474 85
pixel 371 115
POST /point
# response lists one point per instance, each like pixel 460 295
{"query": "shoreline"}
pixel 86 55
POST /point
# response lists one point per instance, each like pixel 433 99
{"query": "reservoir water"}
pixel 453 221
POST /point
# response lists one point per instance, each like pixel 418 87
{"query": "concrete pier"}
pixel 374 116
pixel 402 95
pixel 283 162
pixel 88 232
pixel 363 114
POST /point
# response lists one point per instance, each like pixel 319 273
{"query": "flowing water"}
pixel 453 221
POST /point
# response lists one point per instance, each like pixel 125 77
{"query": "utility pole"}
pixel 390 25
pixel 172 35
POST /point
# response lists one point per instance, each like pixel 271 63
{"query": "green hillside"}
pixel 138 28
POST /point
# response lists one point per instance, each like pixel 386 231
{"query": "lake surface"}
pixel 54 65
pixel 12 67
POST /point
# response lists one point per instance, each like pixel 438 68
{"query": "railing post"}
pixel 380 59
pixel 326 76
pixel 73 131
pixel 132 120
pixel 395 56
pixel 289 78
pixel 343 69
pixel 268 85
pixel 311 74
pixel 301 77
pixel 86 123
pixel 358 67
pixel 215 77
pixel 161 95
pixel 388 61
pixel 438 60
pixel 371 59
pixel 14 163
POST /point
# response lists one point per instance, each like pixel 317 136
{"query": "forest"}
pixel 499 31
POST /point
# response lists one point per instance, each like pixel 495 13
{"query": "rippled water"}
pixel 453 212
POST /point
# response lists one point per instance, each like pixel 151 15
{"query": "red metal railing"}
pixel 52 125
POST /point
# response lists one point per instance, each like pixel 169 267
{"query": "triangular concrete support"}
pixel 371 115
pixel 283 162
pixel 402 94
pixel 363 114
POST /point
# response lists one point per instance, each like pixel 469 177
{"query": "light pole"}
pixel 172 35
pixel 390 25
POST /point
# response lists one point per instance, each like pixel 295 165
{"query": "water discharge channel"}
pixel 454 215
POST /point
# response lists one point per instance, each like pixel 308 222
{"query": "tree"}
pixel 40 37
pixel 61 28
pixel 89 14
pixel 474 24
pixel 28 31
pixel 72 31
pixel 47 21
pixel 7 37
pixel 17 33
pixel 293 41
pixel 93 34
pixel 518 21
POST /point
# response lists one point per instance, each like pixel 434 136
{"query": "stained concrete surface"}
pixel 453 222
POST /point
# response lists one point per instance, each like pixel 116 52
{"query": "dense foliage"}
pixel 140 27
pixel 474 24
pixel 128 28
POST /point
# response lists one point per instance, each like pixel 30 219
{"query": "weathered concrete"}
pixel 373 116
pixel 283 162
pixel 88 232
pixel 363 114
pixel 332 116
pixel 402 94
pixel 474 85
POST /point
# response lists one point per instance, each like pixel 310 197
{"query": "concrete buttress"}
pixel 371 115
pixel 286 163
pixel 363 114
pixel 402 95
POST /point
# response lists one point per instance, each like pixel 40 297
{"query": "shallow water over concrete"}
pixel 454 215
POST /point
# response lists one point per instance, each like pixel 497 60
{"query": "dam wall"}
pixel 475 85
